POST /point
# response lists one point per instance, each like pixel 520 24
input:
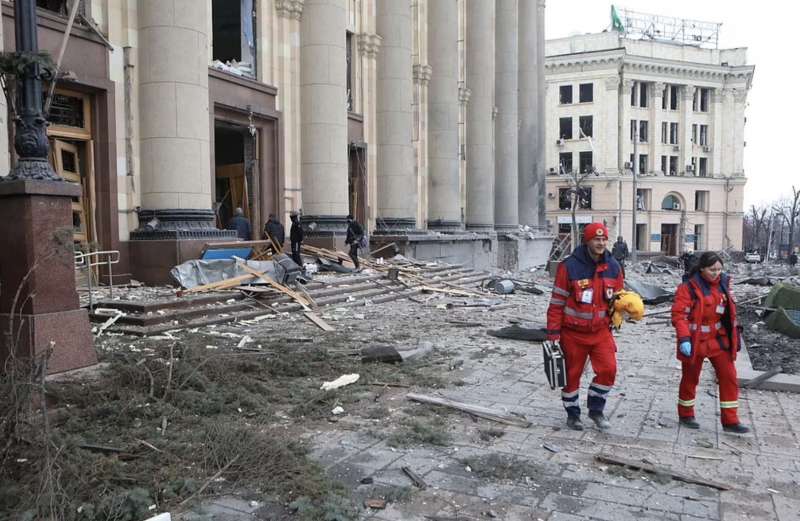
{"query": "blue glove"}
pixel 686 348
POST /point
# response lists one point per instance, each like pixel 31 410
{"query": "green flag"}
pixel 616 23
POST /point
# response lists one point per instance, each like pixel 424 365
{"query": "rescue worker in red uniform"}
pixel 704 316
pixel 578 318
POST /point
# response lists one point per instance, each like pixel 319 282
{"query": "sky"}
pixel 769 30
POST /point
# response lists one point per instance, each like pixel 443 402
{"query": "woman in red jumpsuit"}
pixel 704 316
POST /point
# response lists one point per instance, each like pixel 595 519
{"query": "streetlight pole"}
pixel 634 167
pixel 30 125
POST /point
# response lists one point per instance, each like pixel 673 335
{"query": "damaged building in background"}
pixel 410 115
pixel 659 97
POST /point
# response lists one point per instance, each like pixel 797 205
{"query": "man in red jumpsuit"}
pixel 578 318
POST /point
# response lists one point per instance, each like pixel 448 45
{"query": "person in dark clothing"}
pixel 296 238
pixel 689 260
pixel 240 223
pixel 354 235
pixel 793 259
pixel 273 229
pixel 620 252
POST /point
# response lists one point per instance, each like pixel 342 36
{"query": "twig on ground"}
pixel 210 480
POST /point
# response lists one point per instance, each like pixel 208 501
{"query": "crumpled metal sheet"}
pixel 650 294
pixel 199 272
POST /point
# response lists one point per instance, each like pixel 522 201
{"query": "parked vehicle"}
pixel 753 256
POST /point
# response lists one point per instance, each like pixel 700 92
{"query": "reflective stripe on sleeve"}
pixel 562 292
pixel 557 302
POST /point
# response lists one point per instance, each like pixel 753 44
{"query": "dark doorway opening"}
pixel 641 237
pixel 233 172
pixel 669 239
pixel 357 182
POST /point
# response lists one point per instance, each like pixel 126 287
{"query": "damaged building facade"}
pixel 409 115
pixel 675 112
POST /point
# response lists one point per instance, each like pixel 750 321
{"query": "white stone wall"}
pixel 614 72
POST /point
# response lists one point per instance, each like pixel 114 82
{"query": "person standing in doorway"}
pixel 578 319
pixel 273 230
pixel 240 223
pixel 355 233
pixel 704 317
pixel 296 238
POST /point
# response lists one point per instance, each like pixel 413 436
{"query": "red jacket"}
pixel 705 311
pixel 581 293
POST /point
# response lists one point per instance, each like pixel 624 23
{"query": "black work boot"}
pixel 600 420
pixel 575 423
pixel 736 428
pixel 689 422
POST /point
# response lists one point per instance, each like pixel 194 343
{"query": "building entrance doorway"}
pixel 669 239
pixel 234 161
pixel 357 182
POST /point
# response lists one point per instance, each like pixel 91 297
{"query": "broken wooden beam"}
pixel 653 469
pixel 476 410
pixel 316 319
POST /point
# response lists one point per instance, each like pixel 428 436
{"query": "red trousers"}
pixel 726 375
pixel 600 349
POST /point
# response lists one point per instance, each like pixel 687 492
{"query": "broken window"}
pixel 565 94
pixel 701 200
pixel 642 163
pixel 673 97
pixel 694 100
pixel 61 7
pixel 664 132
pixel 564 199
pixel 673 165
pixel 671 202
pixel 705 95
pixel 565 162
pixel 703 165
pixel 643 198
pixel 694 133
pixel 643 95
pixel 586 92
pixel 664 165
pixel 584 198
pixel 585 125
pixel 565 128
pixel 585 162
pixel 704 135
pixel 643 132
pixel 664 97
pixel 233 36
pixel 673 133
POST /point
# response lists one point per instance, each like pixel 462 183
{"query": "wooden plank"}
pixel 652 469
pixel 461 293
pixel 221 284
pixel 477 410
pixel 316 319
pixel 272 282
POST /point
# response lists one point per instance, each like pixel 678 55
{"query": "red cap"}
pixel 594 230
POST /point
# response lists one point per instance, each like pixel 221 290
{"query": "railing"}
pixel 92 259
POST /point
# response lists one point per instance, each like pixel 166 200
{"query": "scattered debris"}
pixel 477 410
pixel 653 469
pixel 415 478
pixel 376 504
pixel 345 379
pixel 516 332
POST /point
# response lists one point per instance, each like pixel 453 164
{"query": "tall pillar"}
pixel 173 94
pixel 480 47
pixel 323 120
pixel 685 129
pixel 444 211
pixel 656 119
pixel 506 161
pixel 531 126
pixel 397 184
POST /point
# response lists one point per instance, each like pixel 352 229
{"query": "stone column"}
pixel 173 90
pixel 625 141
pixel 715 133
pixel 5 159
pixel 685 130
pixel 506 161
pixel 610 127
pixel 531 125
pixel 656 117
pixel 444 211
pixel 323 120
pixel 397 184
pixel 480 64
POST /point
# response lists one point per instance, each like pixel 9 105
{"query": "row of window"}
pixel 584 162
pixel 640 94
pixel 669 165
pixel 585 127
pixel 643 196
pixel 639 130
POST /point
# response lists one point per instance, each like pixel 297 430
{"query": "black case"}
pixel 555 367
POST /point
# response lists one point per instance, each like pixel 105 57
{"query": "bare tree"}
pixel 758 220
pixel 789 212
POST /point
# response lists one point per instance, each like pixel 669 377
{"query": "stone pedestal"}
pixel 39 306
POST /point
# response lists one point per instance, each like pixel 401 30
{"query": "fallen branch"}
pixel 415 478
pixel 210 480
pixel 477 410
pixel 652 469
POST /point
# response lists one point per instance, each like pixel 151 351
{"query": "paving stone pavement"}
pixel 762 467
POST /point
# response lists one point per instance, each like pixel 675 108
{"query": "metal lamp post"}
pixel 30 140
